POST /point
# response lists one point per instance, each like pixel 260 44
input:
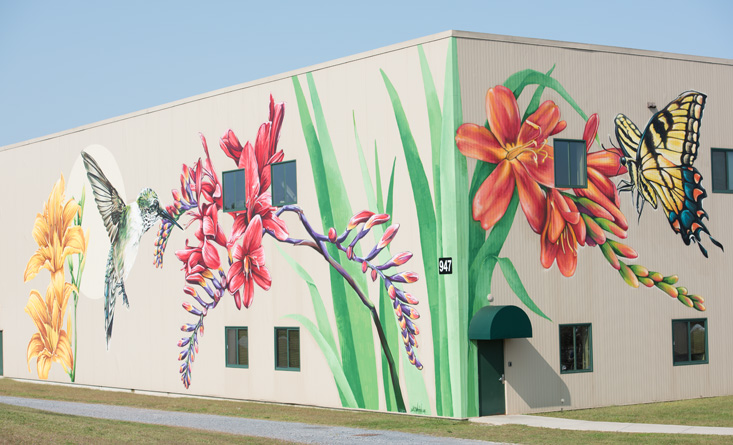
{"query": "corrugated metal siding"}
pixel 632 343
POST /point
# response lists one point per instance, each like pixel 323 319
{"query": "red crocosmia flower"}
pixel 207 184
pixel 248 265
pixel 603 165
pixel 563 231
pixel 266 143
pixel 257 204
pixel 193 263
pixel 521 151
pixel 231 145
pixel 210 232
pixel 265 147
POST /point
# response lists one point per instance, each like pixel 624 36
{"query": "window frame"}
pixel 226 346
pixel 689 343
pixel 272 183
pixel 712 173
pixel 288 368
pixel 224 191
pixel 585 158
pixel 575 358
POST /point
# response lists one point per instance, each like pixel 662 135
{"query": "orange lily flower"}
pixel 50 343
pixel 603 165
pixel 56 236
pixel 521 153
pixel 563 231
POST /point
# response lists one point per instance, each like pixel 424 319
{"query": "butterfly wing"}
pixel 109 203
pixel 667 150
pixel 628 136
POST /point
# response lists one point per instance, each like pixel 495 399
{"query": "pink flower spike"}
pixel 376 220
pixel 388 236
pixel 359 218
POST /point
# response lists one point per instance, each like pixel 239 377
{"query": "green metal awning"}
pixel 497 322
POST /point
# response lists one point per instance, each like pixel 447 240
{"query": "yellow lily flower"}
pixel 50 343
pixel 56 236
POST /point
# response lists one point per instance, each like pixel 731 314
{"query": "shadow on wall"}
pixel 536 381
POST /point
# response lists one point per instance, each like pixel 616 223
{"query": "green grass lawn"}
pixel 712 411
pixel 27 425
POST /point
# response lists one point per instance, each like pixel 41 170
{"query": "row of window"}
pixel 689 345
pixel 287 348
pixel 571 166
pixel 283 189
pixel 571 171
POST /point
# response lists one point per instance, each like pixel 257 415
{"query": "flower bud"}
pixel 628 275
pixel 686 301
pixel 376 220
pixel 672 279
pixel 388 236
pixel 611 257
pixel 359 218
pixel 670 290
pixel 612 227
pixel 639 271
pixel 332 235
pixel 622 249
pixel 656 276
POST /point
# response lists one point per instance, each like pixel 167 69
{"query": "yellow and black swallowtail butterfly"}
pixel 660 167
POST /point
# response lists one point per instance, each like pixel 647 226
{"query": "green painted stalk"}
pixel 435 123
pixel 520 80
pixel 342 212
pixel 385 308
pixel 515 283
pixel 454 214
pixel 344 299
pixel 331 359
pixel 427 222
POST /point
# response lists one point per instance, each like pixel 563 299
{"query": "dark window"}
pixel 284 183
pixel 570 163
pixel 690 341
pixel 237 345
pixel 722 161
pixel 576 348
pixel 287 349
pixel 234 190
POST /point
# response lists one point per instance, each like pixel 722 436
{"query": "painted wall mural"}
pixel 125 224
pixel 200 198
pixel 514 169
pixel 660 162
pixel 60 238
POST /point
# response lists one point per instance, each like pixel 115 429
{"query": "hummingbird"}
pixel 125 224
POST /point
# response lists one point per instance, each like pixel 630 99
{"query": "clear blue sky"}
pixel 69 63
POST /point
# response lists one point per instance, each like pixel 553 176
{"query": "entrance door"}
pixel 491 377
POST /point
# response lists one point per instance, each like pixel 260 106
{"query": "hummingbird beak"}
pixel 165 215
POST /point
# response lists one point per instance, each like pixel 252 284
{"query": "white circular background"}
pixel 92 281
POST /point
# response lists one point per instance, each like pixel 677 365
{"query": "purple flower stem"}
pixel 320 246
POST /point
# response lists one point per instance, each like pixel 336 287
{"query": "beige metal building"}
pixel 431 227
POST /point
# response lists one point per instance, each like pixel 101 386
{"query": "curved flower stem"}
pixel 320 247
